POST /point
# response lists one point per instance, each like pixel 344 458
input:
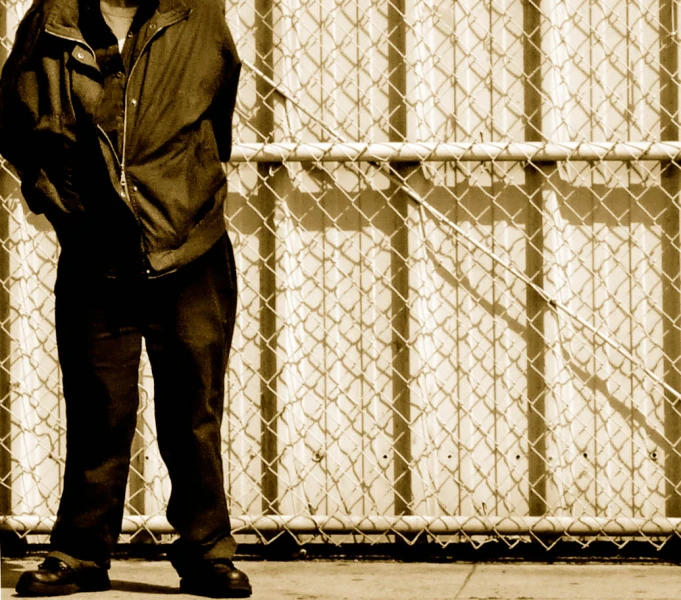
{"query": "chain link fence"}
pixel 457 236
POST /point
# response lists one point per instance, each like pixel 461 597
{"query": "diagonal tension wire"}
pixel 390 172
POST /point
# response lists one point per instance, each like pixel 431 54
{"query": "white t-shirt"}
pixel 119 19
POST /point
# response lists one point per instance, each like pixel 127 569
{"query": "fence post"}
pixel 397 123
pixel 6 184
pixel 264 41
pixel 671 267
pixel 535 180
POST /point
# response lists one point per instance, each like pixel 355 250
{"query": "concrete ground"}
pixel 334 580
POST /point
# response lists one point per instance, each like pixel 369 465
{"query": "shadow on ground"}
pixel 142 588
pixel 9 573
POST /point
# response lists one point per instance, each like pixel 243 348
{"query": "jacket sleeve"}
pixel 19 105
pixel 225 100
pixel 18 98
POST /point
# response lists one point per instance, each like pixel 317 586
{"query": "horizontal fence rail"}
pixel 404 525
pixel 401 152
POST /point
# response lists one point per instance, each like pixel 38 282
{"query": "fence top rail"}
pixel 439 152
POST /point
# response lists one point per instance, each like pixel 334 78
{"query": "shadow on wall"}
pixel 343 200
pixel 350 210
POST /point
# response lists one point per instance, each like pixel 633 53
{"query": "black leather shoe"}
pixel 217 578
pixel 55 578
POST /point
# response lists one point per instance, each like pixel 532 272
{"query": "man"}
pixel 117 116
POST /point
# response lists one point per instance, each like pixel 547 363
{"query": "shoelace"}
pixel 53 564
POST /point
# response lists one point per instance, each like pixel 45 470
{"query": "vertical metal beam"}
pixel 269 410
pixel 6 185
pixel 535 179
pixel 137 483
pixel 671 299
pixel 399 200
pixel 536 343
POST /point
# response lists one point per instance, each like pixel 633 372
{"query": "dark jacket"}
pixel 180 99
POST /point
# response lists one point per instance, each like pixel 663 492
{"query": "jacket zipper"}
pixel 82 42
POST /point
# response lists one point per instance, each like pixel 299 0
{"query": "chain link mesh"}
pixel 480 346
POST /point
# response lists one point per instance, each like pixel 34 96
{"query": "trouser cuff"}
pixel 186 557
pixel 77 564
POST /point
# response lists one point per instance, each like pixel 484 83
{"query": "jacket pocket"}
pixel 40 193
pixel 209 176
pixel 53 182
pixel 60 168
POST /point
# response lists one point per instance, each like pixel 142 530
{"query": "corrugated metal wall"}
pixel 383 364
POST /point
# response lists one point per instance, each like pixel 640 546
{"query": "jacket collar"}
pixel 61 16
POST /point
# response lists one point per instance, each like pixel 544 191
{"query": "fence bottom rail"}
pixel 383 525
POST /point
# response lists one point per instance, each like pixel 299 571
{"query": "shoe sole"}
pixel 35 589
pixel 241 592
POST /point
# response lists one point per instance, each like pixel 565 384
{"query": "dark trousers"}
pixel 186 319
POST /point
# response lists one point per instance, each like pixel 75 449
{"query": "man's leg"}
pixel 99 344
pixel 190 319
